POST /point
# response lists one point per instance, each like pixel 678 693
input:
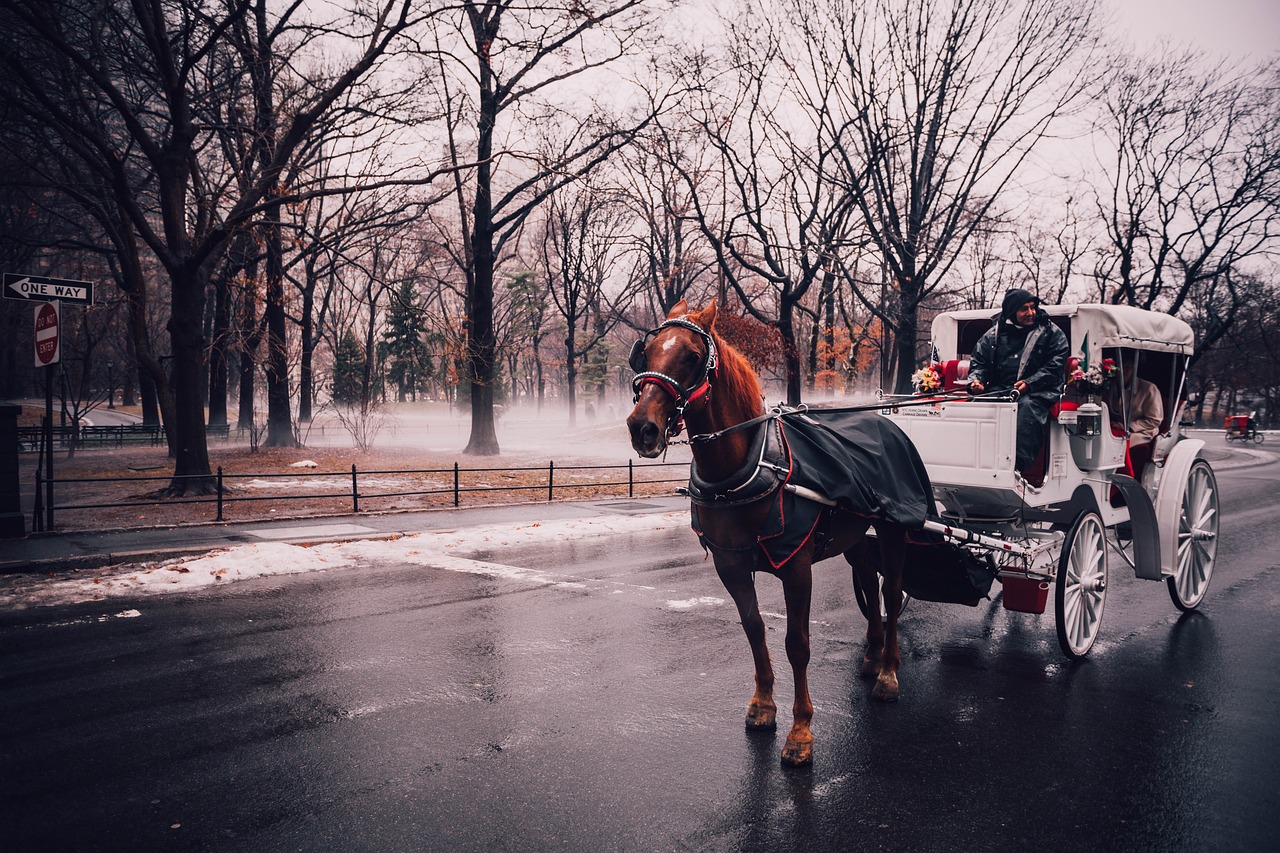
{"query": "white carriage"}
pixel 1050 528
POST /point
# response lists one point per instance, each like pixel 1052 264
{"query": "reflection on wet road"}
pixel 589 695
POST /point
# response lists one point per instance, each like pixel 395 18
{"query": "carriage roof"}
pixel 1104 326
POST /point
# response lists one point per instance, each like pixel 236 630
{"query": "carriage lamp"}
pixel 1088 420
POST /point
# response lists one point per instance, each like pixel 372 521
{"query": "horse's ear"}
pixel 706 318
pixel 679 309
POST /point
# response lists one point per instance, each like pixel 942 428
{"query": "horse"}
pixel 687 377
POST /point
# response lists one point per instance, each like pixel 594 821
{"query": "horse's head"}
pixel 674 366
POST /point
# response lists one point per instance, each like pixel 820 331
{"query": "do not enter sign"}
pixel 47 334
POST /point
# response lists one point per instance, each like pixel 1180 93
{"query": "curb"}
pixel 1254 458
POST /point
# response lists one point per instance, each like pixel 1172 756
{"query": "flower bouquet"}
pixel 1091 382
pixel 927 379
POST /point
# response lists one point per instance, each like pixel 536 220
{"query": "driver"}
pixel 1022 352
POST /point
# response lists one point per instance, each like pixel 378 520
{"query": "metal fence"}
pixel 350 490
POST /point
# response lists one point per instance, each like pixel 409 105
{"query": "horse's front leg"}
pixel 762 712
pixel 797 589
pixel 892 541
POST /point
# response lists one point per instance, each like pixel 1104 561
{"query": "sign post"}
pixel 48 346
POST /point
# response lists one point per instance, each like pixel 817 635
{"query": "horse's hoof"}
pixel 886 689
pixel 762 718
pixel 796 754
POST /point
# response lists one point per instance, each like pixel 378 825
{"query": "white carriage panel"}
pixel 964 444
pixel 989 450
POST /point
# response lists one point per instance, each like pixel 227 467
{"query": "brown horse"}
pixel 687 375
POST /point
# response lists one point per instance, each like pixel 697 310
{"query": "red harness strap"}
pixel 674 390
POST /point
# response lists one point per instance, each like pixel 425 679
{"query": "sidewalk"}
pixel 50 552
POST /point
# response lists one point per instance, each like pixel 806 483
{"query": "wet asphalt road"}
pixel 403 708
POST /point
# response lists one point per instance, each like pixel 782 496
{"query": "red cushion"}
pixel 955 374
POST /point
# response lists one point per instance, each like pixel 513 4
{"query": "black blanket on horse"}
pixel 860 460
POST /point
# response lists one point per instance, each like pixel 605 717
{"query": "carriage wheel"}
pixel 1197 538
pixel 1082 585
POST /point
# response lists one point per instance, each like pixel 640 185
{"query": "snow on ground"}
pixel 447 550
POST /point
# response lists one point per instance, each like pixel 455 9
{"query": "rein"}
pixel 684 396
pixel 907 402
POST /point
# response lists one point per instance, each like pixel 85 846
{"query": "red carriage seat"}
pixel 955 375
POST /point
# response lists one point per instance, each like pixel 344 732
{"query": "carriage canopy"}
pixel 956 332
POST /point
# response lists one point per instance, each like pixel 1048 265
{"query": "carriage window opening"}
pixel 968 332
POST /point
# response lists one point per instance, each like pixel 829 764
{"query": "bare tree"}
pixel 941 102
pixel 1193 183
pixel 670 259
pixel 145 64
pixel 776 214
pixel 516 57
pixel 579 248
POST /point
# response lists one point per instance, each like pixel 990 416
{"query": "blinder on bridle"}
pixel 683 396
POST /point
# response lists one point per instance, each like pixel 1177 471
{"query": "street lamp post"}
pixel 111 385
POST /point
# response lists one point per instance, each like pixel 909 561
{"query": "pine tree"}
pixel 348 370
pixel 409 363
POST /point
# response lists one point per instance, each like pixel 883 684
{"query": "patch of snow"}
pixel 443 549
pixel 701 601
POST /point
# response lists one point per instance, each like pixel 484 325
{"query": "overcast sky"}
pixel 1234 28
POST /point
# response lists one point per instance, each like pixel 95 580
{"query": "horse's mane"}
pixel 737 380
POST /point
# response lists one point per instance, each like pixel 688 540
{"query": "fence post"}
pixel 37 514
pixel 219 518
pixel 631 479
pixel 551 478
pixel 355 492
pixel 455 484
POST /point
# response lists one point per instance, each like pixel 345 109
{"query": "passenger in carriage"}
pixel 1027 353
pixel 1138 402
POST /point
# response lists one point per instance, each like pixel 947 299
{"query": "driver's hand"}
pixel 976 387
pixel 1020 386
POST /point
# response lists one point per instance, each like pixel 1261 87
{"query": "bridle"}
pixel 683 396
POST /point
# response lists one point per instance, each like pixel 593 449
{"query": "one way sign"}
pixel 34 288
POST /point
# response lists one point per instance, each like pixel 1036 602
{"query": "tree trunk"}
pixel 571 374
pixel 306 376
pixel 218 350
pixel 481 340
pixel 279 418
pixel 790 353
pixel 157 401
pixel 906 331
pixel 251 331
pixel 191 472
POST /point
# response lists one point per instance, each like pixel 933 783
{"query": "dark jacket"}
pixel 998 353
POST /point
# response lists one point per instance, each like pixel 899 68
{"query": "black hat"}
pixel 1015 299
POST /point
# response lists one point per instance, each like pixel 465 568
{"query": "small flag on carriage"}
pixel 1084 352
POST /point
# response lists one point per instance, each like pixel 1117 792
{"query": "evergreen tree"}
pixel 348 370
pixel 408 360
